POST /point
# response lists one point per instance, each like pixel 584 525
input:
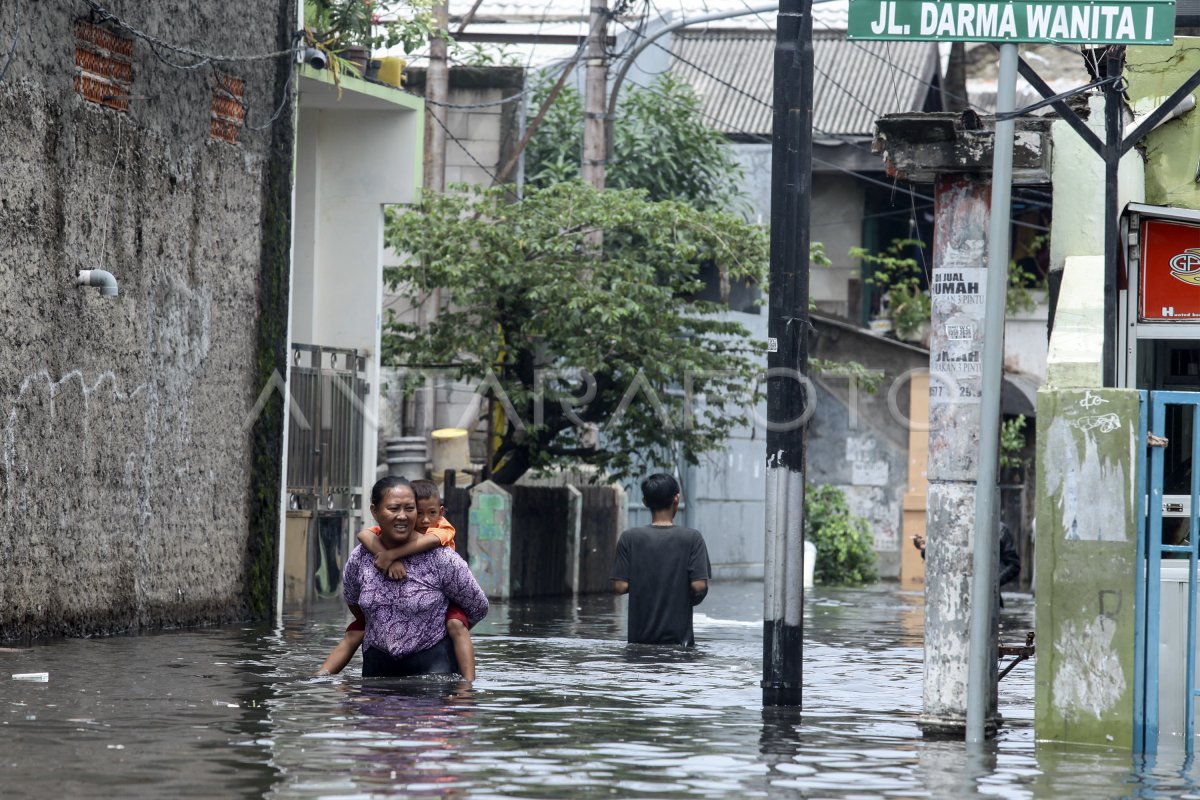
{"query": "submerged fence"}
pixel 538 541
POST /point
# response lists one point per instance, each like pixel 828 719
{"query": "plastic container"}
pixel 810 563
pixel 391 70
pixel 36 677
pixel 451 450
pixel 405 456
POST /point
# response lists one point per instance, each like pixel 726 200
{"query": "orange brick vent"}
pixel 228 108
pixel 104 66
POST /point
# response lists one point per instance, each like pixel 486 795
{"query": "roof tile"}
pixel 854 83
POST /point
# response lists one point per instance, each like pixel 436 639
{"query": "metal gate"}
pixel 325 456
pixel 325 426
pixel 1167 554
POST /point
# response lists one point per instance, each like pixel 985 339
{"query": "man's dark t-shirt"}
pixel 660 563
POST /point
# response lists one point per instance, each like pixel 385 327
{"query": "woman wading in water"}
pixel 406 619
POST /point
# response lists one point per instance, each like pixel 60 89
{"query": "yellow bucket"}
pixel 391 70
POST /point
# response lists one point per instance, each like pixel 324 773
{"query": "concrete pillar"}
pixel 489 539
pixel 574 536
pixel 955 153
pixel 961 209
pixel 1086 565
pixel 912 566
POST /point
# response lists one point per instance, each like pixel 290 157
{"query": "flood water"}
pixel 563 708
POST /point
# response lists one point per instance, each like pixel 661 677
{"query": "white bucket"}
pixel 451 450
pixel 810 563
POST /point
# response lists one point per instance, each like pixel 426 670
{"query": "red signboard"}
pixel 1170 280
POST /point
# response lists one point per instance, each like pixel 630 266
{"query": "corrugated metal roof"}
pixel 855 82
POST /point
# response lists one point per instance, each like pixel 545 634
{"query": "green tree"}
pixel 845 551
pixel 527 298
pixel 660 144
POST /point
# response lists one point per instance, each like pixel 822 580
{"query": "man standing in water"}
pixel 663 568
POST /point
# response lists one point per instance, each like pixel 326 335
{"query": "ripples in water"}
pixel 563 708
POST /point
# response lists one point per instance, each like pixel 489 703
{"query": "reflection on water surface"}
pixel 563 708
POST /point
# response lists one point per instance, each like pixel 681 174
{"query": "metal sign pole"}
pixel 982 653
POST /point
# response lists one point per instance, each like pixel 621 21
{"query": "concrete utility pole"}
pixel 787 355
pixel 955 153
pixel 437 91
pixel 961 213
pixel 595 91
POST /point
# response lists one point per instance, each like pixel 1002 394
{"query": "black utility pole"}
pixel 787 356
pixel 1113 104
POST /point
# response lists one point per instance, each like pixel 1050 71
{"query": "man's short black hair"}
pixel 424 489
pixel 659 490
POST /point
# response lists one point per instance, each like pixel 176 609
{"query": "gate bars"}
pixel 1148 579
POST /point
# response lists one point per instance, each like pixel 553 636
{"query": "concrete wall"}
pixel 130 492
pixel 1078 227
pixel 1086 525
pixel 1087 536
pixel 1153 74
pixel 1025 339
pixel 855 442
pixel 482 138
pixel 859 441
pixel 837 210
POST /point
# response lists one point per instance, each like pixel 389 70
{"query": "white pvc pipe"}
pixel 98 277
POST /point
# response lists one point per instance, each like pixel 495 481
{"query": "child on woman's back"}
pixel 433 530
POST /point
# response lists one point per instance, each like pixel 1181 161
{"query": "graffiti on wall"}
pixel 1088 451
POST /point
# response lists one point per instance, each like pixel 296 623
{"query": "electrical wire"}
pixel 913 194
pixel 754 98
pixel 102 15
pixel 846 138
pixel 919 78
pixel 284 103
pixel 108 205
pixel 927 200
pixel 862 176
pixel 490 173
pixel 643 18
pixel 12 49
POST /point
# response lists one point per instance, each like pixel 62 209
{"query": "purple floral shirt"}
pixel 408 616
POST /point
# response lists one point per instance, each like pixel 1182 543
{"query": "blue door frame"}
pixel 1148 580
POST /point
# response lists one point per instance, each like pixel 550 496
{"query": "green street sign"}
pixel 1052 21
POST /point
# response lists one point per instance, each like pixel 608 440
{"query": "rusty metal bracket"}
pixel 1019 652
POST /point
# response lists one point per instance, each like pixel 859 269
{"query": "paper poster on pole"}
pixel 958 298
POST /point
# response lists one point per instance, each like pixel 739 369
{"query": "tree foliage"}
pixel 660 144
pixel 608 344
pixel 845 551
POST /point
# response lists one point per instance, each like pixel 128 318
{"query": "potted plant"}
pixel 349 31
pixel 908 307
pixel 905 306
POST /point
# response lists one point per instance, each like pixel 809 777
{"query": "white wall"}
pixel 836 221
pixel 356 152
pixel 1026 340
pixel 1078 227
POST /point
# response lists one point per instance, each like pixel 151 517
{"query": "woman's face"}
pixel 396 515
